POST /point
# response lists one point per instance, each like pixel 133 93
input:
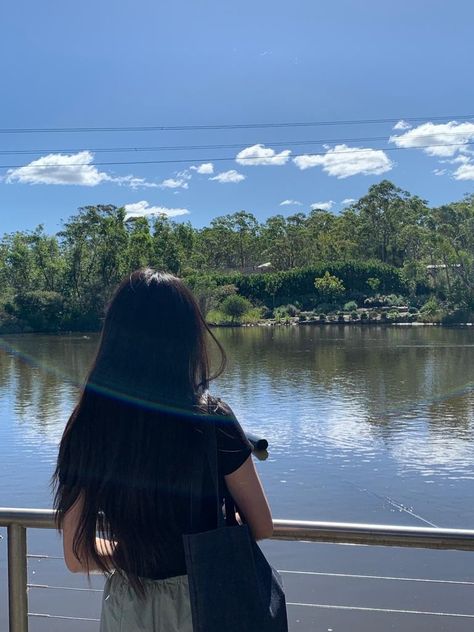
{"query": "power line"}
pixel 226 126
pixel 10 152
pixel 222 159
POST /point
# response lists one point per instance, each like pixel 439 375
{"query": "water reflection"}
pixel 42 376
pixel 337 404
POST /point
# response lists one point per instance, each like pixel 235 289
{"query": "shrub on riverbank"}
pixel 235 307
pixel 251 316
pixel 350 306
pixel 286 310
pixel 329 287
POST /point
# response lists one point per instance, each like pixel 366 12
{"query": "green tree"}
pixel 40 310
pixel 166 251
pixel 48 260
pixel 19 270
pixel 387 215
pixel 373 283
pixel 329 287
pixel 140 244
pixel 95 244
pixel 235 306
pixel 284 241
pixel 235 238
pixel 273 284
pixel 452 245
pixel 185 236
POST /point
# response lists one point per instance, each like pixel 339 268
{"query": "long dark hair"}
pixel 128 446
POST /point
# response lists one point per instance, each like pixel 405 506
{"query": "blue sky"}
pixel 148 63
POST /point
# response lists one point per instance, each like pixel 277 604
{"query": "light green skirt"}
pixel 165 608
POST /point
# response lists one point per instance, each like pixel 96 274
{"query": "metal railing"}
pixel 17 521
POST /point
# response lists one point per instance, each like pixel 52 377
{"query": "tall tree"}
pixel 166 252
pixel 48 259
pixel 95 246
pixel 140 244
pixel 284 241
pixel 384 213
pixel 236 239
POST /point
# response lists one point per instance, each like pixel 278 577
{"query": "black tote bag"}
pixel 232 587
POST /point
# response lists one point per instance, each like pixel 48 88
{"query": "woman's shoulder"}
pixel 213 405
pixel 233 447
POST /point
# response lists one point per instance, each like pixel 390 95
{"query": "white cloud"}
pixel 60 169
pixel 179 182
pixel 290 203
pixel 205 168
pixel 324 206
pixel 348 201
pixel 70 169
pixel 460 158
pixel 464 172
pixel 440 139
pixel 174 183
pixel 342 161
pixel 261 155
pixel 402 125
pixel 143 208
pixel 229 176
pixel 133 182
pixel 440 172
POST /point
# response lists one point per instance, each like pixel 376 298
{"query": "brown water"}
pixel 365 424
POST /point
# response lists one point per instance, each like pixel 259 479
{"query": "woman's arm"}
pixel 247 491
pixel 69 527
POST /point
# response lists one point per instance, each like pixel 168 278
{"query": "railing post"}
pixel 17 579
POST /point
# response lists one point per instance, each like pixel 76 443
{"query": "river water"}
pixel 365 424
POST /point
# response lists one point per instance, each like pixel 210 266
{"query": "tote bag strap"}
pixel 211 454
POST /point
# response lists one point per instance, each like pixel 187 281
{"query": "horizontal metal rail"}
pixel 308 530
pixel 18 520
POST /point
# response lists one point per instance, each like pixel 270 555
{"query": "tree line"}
pixel 394 238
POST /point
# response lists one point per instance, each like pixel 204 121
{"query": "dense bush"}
pixel 298 284
pixel 351 306
pixel 280 312
pixel 235 306
pixel 286 310
pixel 40 310
pixel 373 283
pixel 9 323
pixel 221 292
pixel 430 308
pixel 329 287
pixel 372 301
pixel 458 316
pixel 267 312
pixel 392 300
pixel 292 310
